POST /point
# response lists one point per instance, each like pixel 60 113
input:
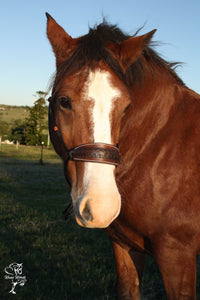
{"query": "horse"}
pixel 128 131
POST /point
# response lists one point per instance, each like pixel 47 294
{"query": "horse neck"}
pixel 153 103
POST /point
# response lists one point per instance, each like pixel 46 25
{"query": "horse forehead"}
pixel 102 94
pixel 100 86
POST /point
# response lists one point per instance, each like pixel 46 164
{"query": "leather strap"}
pixel 97 152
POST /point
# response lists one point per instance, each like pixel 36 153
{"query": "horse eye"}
pixel 126 109
pixel 65 102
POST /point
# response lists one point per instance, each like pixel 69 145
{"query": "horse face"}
pixel 89 106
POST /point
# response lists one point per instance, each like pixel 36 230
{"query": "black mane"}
pixel 92 49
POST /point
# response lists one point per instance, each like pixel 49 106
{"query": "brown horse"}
pixel 128 131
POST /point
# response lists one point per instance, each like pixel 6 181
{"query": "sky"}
pixel 26 58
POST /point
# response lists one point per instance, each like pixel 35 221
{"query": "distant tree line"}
pixel 29 131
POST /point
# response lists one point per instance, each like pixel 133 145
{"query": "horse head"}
pixel 89 99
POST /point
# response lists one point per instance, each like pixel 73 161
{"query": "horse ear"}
pixel 129 50
pixel 62 43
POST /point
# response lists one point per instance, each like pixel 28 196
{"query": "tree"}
pixel 18 131
pixel 36 123
pixel 4 129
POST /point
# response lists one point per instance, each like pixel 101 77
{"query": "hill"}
pixel 12 117
pixel 10 113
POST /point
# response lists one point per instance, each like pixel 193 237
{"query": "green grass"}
pixel 28 153
pixel 60 259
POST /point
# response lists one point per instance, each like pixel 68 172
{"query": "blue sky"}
pixel 27 61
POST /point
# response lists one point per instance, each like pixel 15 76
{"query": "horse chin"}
pixel 97 223
pixel 84 224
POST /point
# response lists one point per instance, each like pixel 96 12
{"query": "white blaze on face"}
pixel 103 94
pixel 99 186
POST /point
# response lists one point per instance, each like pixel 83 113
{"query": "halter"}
pixel 91 152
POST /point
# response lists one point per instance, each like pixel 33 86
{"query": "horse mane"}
pixel 92 49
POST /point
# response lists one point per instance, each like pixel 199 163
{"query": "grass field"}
pixel 60 260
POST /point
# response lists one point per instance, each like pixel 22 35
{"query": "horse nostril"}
pixel 86 213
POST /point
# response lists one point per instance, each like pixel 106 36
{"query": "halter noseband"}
pixel 92 152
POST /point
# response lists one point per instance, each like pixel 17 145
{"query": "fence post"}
pixel 48 141
pixel 41 159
